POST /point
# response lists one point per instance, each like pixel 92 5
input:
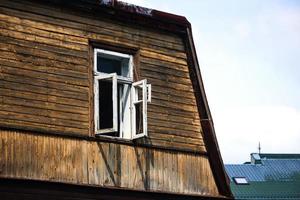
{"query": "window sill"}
pixel 116 139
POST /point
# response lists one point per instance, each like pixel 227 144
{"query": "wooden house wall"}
pixel 39 157
pixel 46 73
pixel 46 86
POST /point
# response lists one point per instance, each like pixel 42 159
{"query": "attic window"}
pixel 240 180
pixel 120 104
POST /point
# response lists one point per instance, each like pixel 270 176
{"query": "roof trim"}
pixel 209 135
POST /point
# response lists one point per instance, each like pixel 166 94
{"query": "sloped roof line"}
pixel 209 135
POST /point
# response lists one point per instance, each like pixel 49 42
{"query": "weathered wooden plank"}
pixel 164 117
pixel 164 69
pixel 173 94
pixel 165 64
pixel 46 47
pixel 37 126
pixel 43 62
pixel 11 32
pixel 15 23
pixel 59 101
pixel 160 94
pixel 176 105
pixel 172 133
pixel 168 85
pixel 102 35
pixel 45 105
pixel 124 38
pixel 9 24
pixel 55 158
pixel 29 51
pixel 42 90
pixel 155 55
pixel 29 79
pixel 164 76
pixel 158 142
pixel 172 112
pixel 42 22
pixel 58 18
pixel 34 115
pixel 175 125
pixel 41 73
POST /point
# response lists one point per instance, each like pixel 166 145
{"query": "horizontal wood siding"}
pixel 51 158
pixel 44 82
pixel 45 73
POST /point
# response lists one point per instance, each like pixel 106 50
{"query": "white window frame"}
pixel 135 100
pixel 117 79
pixel 240 180
pixel 121 79
pixel 112 76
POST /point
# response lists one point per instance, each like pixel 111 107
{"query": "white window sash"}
pixel 135 100
pixel 121 79
pixel 112 76
pixel 112 53
pixel 149 91
pixel 116 55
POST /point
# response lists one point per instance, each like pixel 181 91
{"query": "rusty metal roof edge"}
pixel 147 12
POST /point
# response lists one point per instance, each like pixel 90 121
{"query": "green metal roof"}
pixel 270 176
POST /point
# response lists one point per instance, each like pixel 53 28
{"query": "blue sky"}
pixel 249 55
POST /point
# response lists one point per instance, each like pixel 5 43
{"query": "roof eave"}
pixel 209 135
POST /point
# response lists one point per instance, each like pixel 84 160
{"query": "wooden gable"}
pixel 46 101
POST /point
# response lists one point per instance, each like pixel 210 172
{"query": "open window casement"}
pixel 139 108
pixel 120 104
pixel 106 103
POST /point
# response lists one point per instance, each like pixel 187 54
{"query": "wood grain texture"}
pixel 45 78
pixel 46 104
pixel 51 158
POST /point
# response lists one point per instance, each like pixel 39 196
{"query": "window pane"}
pixel 108 65
pixel 105 104
pixel 125 118
pixel 240 180
pixel 139 93
pixel 139 108
pixel 139 118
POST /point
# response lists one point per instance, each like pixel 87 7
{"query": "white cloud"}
pixel 243 29
pixel 280 20
pixel 240 129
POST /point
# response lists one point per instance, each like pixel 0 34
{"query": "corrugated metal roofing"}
pixel 270 169
pixel 277 177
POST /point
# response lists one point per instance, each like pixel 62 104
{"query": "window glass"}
pixel 240 180
pixel 105 104
pixel 139 118
pixel 108 65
